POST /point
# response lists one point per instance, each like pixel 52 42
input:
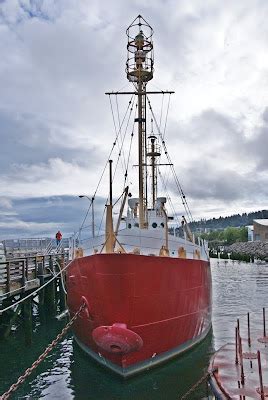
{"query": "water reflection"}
pixel 170 380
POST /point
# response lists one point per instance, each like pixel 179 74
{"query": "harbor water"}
pixel 67 373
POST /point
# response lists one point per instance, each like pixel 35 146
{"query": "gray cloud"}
pixel 44 216
pixel 257 148
pixel 26 139
pixel 59 57
pixel 225 165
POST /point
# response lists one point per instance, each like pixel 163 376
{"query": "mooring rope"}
pixel 204 378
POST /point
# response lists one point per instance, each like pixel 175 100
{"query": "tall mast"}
pixel 139 68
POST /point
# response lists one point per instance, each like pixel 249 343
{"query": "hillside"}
pixel 236 220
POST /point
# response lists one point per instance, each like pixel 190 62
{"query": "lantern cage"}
pixel 140 58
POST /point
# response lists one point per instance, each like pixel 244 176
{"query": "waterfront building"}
pixel 260 229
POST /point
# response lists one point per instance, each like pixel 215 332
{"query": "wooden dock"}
pixel 21 275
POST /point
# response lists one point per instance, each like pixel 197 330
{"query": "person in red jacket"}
pixel 58 237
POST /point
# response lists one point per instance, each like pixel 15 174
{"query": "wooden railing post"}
pixel 27 268
pixel 23 277
pixel 8 276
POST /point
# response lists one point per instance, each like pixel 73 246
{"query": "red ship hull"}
pixel 141 310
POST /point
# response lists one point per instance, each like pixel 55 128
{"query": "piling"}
pixel 22 277
pixel 249 340
pixel 61 285
pixel 264 323
pixel 10 319
pixel 27 321
pixel 50 298
pixel 260 375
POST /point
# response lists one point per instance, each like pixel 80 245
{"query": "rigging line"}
pixel 129 152
pixel 112 110
pixel 166 176
pixel 123 87
pixel 121 148
pixel 117 109
pixel 114 143
pixel 162 103
pixel 161 120
pixel 169 198
pixel 102 218
pixel 168 157
pixel 132 134
pixel 182 195
pixel 159 132
pixel 85 217
pixel 165 127
pixel 185 203
pixel 121 195
pixel 130 146
pixel 120 135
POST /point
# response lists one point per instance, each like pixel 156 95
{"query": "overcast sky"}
pixel 58 57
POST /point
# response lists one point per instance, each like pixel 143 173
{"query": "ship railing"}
pixel 125 241
pixel 197 241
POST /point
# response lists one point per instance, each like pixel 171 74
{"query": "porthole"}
pixel 129 226
pixel 162 224
pixel 154 225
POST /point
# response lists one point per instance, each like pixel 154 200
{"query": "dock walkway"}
pixel 29 263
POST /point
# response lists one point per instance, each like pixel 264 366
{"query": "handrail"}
pixel 26 269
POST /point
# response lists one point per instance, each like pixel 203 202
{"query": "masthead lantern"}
pixel 139 66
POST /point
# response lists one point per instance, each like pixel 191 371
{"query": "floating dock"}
pixel 240 369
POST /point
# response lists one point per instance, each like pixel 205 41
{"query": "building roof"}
pixel 261 221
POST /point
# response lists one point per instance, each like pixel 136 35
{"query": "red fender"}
pixel 117 339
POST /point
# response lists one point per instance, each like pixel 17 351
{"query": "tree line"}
pixel 226 236
pixel 236 220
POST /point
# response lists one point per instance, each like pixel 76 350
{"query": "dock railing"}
pixel 25 273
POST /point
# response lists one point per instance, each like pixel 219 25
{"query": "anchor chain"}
pixel 41 358
pixel 195 386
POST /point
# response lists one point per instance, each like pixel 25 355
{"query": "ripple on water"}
pixel 238 288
